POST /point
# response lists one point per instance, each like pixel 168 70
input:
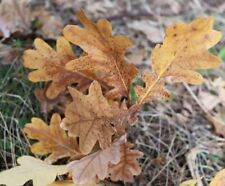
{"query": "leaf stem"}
pixel 141 100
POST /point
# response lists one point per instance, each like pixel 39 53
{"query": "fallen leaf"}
pixel 8 54
pixel 157 91
pixel 218 83
pixel 128 165
pixel 33 169
pixel 219 179
pixel 50 66
pixel 137 58
pixel 219 87
pixel 104 61
pixel 184 49
pixel 91 118
pixel 217 122
pixel 189 183
pixel 47 105
pixel 14 16
pixel 151 29
pixel 70 183
pixel 51 24
pixel 96 164
pixel 208 100
pixel 52 139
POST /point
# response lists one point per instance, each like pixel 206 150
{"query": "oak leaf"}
pixel 70 183
pixel 31 169
pixel 105 54
pixel 47 105
pixel 50 66
pixel 96 164
pixel 91 118
pixel 128 165
pixel 51 138
pixel 184 49
pixel 157 90
pixel 219 179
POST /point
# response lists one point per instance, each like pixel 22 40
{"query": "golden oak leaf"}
pixel 91 118
pixel 219 179
pixel 96 164
pixel 31 169
pixel 184 49
pixel 50 66
pixel 105 54
pixel 128 165
pixel 157 91
pixel 52 139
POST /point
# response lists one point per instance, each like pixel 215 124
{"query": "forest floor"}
pixel 178 137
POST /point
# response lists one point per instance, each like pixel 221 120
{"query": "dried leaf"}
pixel 152 30
pixel 70 183
pixel 184 50
pixel 218 123
pixel 14 16
pixel 8 54
pixel 219 179
pixel 189 183
pixel 47 105
pixel 157 91
pixel 51 24
pixel 50 66
pixel 31 169
pixel 105 54
pixel 137 57
pixel 91 118
pixel 96 164
pixel 52 139
pixel 209 100
pixel 219 86
pixel 128 165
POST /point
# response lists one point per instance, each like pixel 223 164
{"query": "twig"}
pixel 195 98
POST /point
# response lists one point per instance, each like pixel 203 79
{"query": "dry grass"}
pixel 17 107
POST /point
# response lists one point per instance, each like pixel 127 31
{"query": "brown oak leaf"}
pixel 96 164
pixel 128 165
pixel 51 138
pixel 47 105
pixel 50 66
pixel 91 118
pixel 105 54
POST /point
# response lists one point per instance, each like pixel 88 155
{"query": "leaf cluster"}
pixel 96 117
